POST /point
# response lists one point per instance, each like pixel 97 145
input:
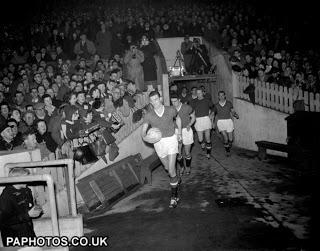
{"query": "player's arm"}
pixel 144 131
pixel 179 124
pixel 193 119
pixel 234 114
pixel 213 112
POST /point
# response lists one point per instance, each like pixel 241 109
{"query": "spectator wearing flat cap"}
pixel 6 137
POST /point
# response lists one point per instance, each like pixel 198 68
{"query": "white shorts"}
pixel 187 136
pixel 166 146
pixel 225 125
pixel 203 123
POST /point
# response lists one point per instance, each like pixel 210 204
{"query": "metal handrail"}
pixel 60 162
pixel 52 200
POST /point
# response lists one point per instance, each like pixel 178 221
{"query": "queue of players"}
pixel 173 130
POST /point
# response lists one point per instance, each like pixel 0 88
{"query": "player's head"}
pixel 175 100
pixel 221 96
pixel 199 93
pixel 155 100
pixel 194 91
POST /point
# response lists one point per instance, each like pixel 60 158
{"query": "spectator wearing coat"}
pixel 133 60
pixel 149 64
pixel 103 42
pixel 84 48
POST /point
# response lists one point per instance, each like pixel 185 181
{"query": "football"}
pixel 153 135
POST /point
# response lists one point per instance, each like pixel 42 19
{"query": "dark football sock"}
pixel 208 147
pixel 188 161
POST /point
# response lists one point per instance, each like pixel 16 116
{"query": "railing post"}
pixel 317 102
pixel 281 108
pixel 165 89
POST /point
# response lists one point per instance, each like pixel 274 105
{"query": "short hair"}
pixel 30 131
pixel 153 93
pixel 18 92
pixel 4 103
pixel 12 120
pixel 40 86
pixel 18 171
pixel 29 111
pixel 41 120
pixel 174 95
pixel 221 92
pixel 81 92
pixel 29 106
pixel 114 71
pixel 46 96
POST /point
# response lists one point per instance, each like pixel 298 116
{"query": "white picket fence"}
pixel 278 97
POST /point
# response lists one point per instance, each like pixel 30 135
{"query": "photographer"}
pixel 200 63
pixel 186 51
pixel 133 60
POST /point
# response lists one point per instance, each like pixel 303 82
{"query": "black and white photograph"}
pixel 170 125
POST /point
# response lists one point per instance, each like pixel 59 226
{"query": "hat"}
pixel 38 106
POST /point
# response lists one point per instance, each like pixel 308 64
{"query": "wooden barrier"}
pixel 108 185
pixel 278 97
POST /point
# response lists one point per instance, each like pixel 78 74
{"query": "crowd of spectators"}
pixel 76 66
pixel 269 54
